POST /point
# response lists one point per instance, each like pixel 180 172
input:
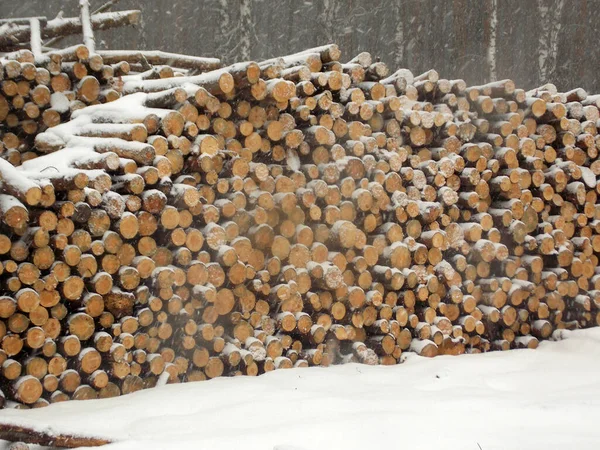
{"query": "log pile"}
pixel 41 89
pixel 295 212
pixel 36 96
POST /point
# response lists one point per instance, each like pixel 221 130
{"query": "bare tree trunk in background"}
pixel 247 28
pixel 225 45
pixel 548 38
pixel 555 27
pixel 491 50
pixel 543 41
pixel 329 18
pixel 399 37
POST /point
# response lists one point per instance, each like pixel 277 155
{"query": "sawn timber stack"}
pixel 294 212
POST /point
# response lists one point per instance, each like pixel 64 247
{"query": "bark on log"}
pixel 15 433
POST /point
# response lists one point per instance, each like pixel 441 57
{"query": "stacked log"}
pixel 291 213
pixel 40 93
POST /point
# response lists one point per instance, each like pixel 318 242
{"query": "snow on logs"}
pixel 295 212
pixel 40 92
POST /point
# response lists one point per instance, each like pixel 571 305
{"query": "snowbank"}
pixel 547 398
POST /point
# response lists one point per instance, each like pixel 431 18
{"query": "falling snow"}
pixel 532 42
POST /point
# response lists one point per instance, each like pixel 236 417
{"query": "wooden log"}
pixel 14 433
pixel 160 58
pixel 66 26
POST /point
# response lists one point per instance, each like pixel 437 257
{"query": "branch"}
pixel 106 7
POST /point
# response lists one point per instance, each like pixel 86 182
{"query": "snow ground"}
pixel 547 398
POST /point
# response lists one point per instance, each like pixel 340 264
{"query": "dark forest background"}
pixel 530 41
